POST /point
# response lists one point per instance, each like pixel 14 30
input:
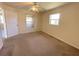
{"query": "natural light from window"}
pixel 54 19
pixel 29 21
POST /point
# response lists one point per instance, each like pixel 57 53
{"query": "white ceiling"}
pixel 44 5
pixel 51 5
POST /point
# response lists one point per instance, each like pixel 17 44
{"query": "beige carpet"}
pixel 36 44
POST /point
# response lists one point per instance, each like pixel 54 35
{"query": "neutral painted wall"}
pixel 12 13
pixel 21 20
pixel 68 28
pixel 11 20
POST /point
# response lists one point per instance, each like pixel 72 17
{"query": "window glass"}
pixel 54 19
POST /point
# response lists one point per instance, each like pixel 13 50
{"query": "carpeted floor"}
pixel 36 44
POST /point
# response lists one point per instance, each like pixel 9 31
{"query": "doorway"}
pixel 11 22
pixel 3 32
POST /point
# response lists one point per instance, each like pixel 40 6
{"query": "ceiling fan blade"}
pixel 36 6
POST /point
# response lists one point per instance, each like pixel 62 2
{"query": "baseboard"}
pixel 61 40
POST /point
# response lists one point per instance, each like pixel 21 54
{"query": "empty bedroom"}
pixel 39 28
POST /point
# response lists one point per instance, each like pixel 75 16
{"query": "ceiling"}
pixel 43 5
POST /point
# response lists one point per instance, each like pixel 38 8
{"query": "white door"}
pixel 0 32
pixel 3 33
pixel 29 24
pixel 11 22
pixel 0 27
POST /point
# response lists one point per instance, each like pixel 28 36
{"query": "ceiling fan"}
pixel 36 7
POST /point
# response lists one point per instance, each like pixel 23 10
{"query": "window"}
pixel 54 19
pixel 29 21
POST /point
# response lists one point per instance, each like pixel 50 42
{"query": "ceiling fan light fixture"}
pixel 34 8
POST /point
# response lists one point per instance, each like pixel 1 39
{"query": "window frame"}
pixel 28 21
pixel 56 21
